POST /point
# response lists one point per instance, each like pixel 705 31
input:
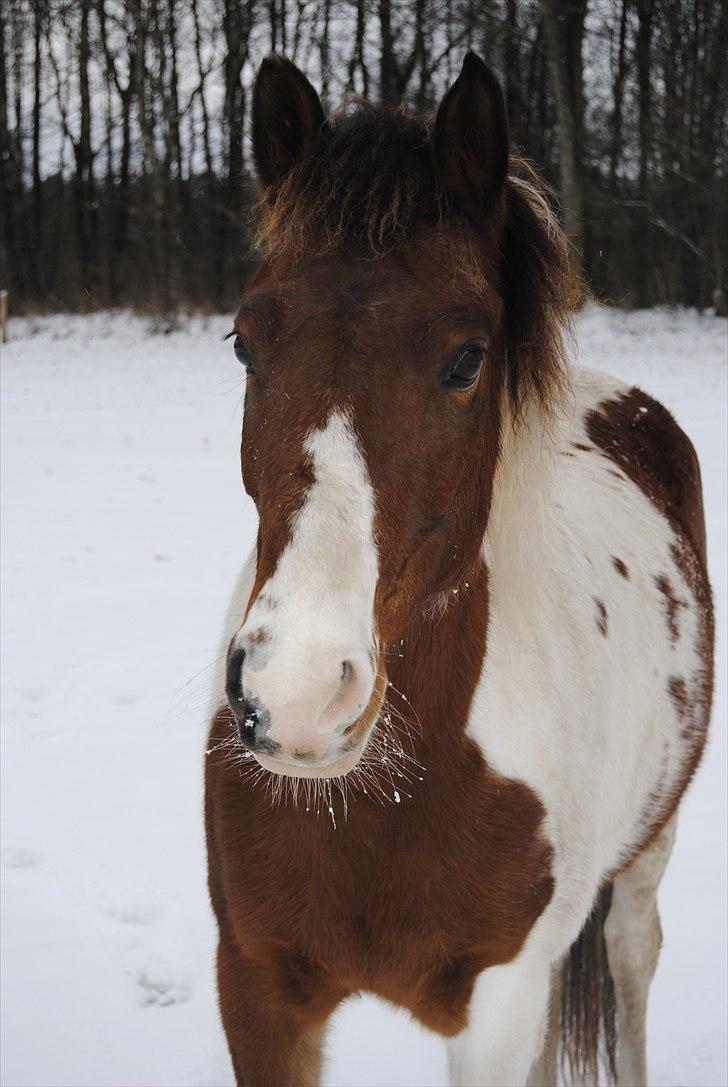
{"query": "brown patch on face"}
pixel 620 567
pixel 276 470
pixel 258 637
pixel 601 619
pixel 671 604
pixel 582 447
pixel 464 851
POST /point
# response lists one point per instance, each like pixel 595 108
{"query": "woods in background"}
pixel 124 153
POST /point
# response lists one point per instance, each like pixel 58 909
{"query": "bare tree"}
pixel 85 216
pixel 645 13
pixel 357 61
pixel 10 269
pixel 563 22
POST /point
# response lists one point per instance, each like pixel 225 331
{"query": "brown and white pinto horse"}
pixel 478 608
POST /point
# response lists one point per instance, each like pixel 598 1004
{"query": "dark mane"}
pixel 369 184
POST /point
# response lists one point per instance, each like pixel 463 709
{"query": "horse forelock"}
pixel 368 181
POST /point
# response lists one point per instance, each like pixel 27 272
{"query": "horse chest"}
pixel 409 902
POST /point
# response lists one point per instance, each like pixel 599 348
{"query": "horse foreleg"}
pixel 272 1041
pixel 544 1072
pixel 506 1023
pixel 634 936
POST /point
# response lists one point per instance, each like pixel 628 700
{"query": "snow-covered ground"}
pixel 124 521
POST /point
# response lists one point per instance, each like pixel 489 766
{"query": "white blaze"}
pixel 316 611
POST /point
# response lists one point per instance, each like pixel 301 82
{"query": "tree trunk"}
pixel 563 22
pixel 10 270
pixel 237 24
pixel 357 60
pixel 84 161
pixel 615 143
pixel 325 53
pixel 37 82
pixel 203 73
pixel 511 64
pixel 643 263
pixel 38 236
pixel 387 64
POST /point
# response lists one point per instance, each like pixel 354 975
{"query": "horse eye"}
pixel 464 372
pixel 243 354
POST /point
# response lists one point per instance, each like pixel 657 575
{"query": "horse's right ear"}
pixel 287 117
pixel 471 139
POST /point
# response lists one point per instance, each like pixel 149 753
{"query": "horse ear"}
pixel 287 117
pixel 471 139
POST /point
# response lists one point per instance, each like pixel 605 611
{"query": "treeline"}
pixel 124 132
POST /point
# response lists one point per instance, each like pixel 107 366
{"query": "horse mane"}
pixel 369 184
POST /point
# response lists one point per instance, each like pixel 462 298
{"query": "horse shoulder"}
pixel 638 438
pixel 596 686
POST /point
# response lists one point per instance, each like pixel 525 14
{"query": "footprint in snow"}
pixel 126 699
pixel 134 915
pixel 33 694
pixel 161 990
pixel 19 858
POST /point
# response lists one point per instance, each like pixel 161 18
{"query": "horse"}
pixel 469 661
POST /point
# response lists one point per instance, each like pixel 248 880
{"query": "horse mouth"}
pixel 350 749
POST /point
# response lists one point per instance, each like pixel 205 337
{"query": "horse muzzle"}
pixel 309 718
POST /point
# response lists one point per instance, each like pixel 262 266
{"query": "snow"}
pixel 124 521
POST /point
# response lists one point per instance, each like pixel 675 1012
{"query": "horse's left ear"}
pixel 287 117
pixel 471 139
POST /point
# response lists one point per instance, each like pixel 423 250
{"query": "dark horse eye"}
pixel 243 354
pixel 463 373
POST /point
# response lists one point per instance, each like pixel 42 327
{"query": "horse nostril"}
pixel 253 722
pixel 350 698
pixel 251 716
pixel 248 715
pixel 234 678
pixel 349 687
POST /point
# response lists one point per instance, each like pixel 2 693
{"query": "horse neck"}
pixel 435 671
pixel 522 522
